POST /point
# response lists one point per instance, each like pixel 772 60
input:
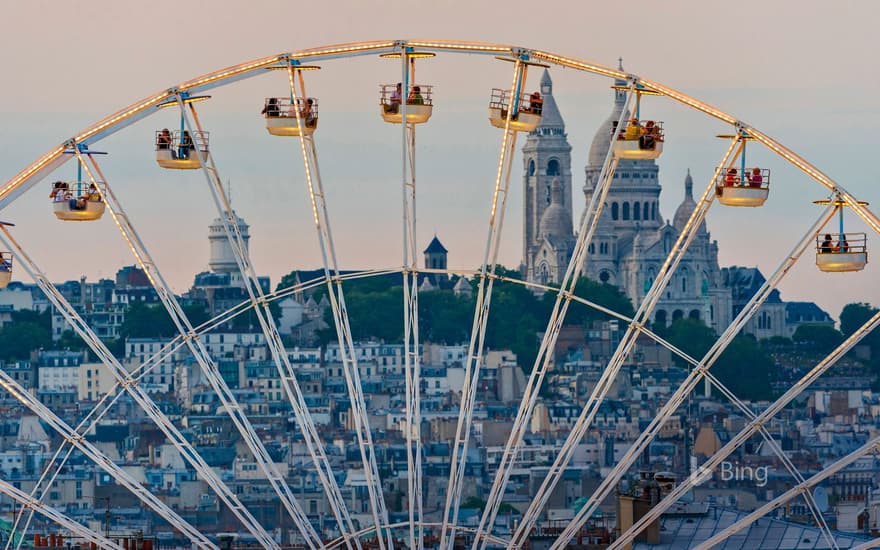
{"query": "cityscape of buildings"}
pixel 835 416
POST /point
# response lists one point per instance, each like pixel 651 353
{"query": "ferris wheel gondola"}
pixel 525 109
pixel 80 200
pixel 283 113
pixel 841 251
pixel 419 104
pixel 743 186
pixel 638 139
pixel 180 149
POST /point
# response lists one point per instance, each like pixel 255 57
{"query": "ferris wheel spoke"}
pixel 260 307
pixel 23 499
pixel 411 359
pixel 750 429
pixel 347 353
pixel 128 382
pixel 476 342
pixel 589 223
pixel 197 348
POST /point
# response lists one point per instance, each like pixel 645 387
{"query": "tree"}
pixel 746 369
pixel 17 340
pixel 853 316
pixel 822 338
pixel 691 336
pixel 602 294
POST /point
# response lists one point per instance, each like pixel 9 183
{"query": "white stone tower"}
pixel 547 164
pixel 222 259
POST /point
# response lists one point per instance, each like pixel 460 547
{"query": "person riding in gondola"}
pixel 186 145
pixel 271 108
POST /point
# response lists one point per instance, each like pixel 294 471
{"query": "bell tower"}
pixel 546 159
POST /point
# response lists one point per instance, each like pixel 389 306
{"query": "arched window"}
pixel 694 314
pixel 677 314
pixel 625 211
pixel 647 211
pixel 545 274
pixel 613 210
pixel 553 167
pixel 684 281
pixel 604 277
pixel 591 249
pixel 660 318
pixel 653 210
pixel 637 211
pixel 532 167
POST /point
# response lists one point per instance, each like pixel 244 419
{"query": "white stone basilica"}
pixel 632 239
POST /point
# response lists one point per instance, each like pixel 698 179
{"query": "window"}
pixel 553 167
pixel 614 210
pixel 646 211
pixel 653 210
pixel 637 211
pixel 625 215
pixel 532 167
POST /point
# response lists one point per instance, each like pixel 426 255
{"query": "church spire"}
pixel 689 186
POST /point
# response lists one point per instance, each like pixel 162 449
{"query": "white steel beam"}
pixel 315 188
pixel 589 222
pixel 260 307
pixel 476 342
pixel 621 353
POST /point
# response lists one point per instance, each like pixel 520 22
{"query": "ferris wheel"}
pixel 291 113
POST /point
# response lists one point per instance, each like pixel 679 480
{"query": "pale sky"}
pixel 803 72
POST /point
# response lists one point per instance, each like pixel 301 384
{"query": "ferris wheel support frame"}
pixel 589 223
pixel 348 356
pixel 411 358
pixel 749 430
pixel 200 353
pixel 477 340
pixel 127 382
pixel 123 118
